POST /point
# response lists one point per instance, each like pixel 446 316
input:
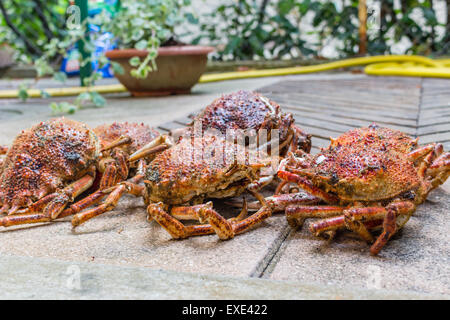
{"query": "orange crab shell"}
pixel 365 164
pixel 245 110
pixel 141 134
pixel 194 168
pixel 44 158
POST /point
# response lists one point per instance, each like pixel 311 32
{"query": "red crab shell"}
pixel 200 167
pixel 140 134
pixel 46 157
pixel 365 164
pixel 245 110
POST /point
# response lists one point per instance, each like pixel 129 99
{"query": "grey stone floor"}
pixel 120 255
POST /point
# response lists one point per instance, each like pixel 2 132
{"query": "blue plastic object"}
pixel 101 41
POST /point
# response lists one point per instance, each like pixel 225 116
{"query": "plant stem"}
pixel 38 7
pixel 28 44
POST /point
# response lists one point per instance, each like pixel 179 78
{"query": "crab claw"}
pixel 159 144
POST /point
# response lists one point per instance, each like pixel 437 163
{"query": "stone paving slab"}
pixel 121 255
pixel 125 237
pixel 417 259
pixel 36 278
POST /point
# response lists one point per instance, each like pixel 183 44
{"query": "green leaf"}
pixel 97 99
pixel 23 91
pixel 134 61
pixel 45 94
pixel 84 96
pixel 60 76
pixel 23 95
pixel 117 68
pixel 63 107
pixel 191 18
pixel 141 45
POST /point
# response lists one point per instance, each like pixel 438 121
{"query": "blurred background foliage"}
pixel 263 29
pixel 252 29
pixel 28 25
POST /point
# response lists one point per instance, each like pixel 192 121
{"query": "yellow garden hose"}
pixel 394 65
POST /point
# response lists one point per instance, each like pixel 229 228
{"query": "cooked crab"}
pixel 47 166
pixel 248 113
pixel 247 117
pixel 369 178
pixel 193 170
pixel 240 116
pixel 52 163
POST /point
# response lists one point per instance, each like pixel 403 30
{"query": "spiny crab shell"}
pixel 140 133
pixel 365 164
pixel 247 110
pixel 46 157
pixel 200 167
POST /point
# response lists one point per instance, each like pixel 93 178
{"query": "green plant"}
pixel 144 25
pixel 246 30
pixel 262 29
pixel 28 25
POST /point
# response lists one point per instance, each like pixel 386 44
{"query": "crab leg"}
pixel 174 227
pixel 300 141
pixel 159 144
pixel 253 220
pixel 186 213
pixel 109 204
pixel 296 215
pixel 439 170
pixel 360 220
pixel 109 176
pixel 83 204
pixel 178 230
pixel 280 187
pixel 308 186
pixel 114 169
pixel 436 151
pixel 55 206
pixel 111 201
pixel 261 183
pixel 122 140
pixel 226 229
pixel 279 202
pixel 421 152
pixel 38 205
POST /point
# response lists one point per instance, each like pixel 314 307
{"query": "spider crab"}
pixel 247 115
pixel 180 178
pixel 245 118
pixel 369 178
pixel 54 162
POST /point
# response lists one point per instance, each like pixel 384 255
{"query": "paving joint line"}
pixel 422 83
pixel 266 265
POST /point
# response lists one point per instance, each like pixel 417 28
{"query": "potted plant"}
pixel 153 61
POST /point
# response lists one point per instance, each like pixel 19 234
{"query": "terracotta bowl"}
pixel 179 68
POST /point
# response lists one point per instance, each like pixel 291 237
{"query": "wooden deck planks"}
pixel 327 108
